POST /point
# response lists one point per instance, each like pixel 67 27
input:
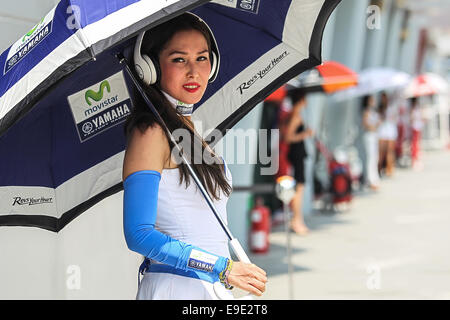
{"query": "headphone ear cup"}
pixel 213 66
pixel 142 69
pixel 153 71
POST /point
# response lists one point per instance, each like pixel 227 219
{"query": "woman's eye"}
pixel 180 60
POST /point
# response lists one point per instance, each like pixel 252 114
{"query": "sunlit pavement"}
pixel 392 244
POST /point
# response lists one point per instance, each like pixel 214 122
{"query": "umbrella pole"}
pixel 289 250
pixel 234 243
pixel 285 191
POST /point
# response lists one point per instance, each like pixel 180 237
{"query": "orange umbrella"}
pixel 278 95
pixel 329 77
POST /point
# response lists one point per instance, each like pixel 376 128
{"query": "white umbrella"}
pixel 373 80
pixel 426 84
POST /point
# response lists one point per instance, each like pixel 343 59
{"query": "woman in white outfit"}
pixel 387 135
pixel 166 218
pixel 370 122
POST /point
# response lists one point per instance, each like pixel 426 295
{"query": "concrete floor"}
pixel 392 244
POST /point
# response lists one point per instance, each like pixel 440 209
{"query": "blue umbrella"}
pixel 64 95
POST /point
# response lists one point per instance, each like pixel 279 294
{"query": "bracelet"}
pixel 223 276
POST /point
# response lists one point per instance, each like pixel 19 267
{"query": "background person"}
pixel 295 135
pixel 387 136
pixel 416 125
pixel 370 123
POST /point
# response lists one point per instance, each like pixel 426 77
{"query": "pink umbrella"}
pixel 426 84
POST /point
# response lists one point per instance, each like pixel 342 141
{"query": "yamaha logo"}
pixel 248 5
pixel 87 127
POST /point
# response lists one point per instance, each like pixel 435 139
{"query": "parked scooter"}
pixel 343 169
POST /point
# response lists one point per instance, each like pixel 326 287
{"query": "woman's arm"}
pixel 301 136
pixel 365 121
pixel 143 164
pixel 291 128
pixel 146 151
pixel 291 135
pixel 140 211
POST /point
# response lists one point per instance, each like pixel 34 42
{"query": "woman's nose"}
pixel 192 70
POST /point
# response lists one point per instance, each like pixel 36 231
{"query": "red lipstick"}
pixel 191 87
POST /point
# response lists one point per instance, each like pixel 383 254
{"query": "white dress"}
pixel 371 148
pixel 183 214
pixel 388 128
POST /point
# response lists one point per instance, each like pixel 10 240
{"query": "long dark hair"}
pixel 211 175
pixel 296 95
pixel 365 102
pixel 382 107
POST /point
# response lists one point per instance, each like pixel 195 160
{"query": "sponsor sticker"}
pixel 28 200
pixel 101 106
pixel 202 261
pixel 248 5
pixel 19 201
pixel 244 5
pixel 29 41
pixel 262 72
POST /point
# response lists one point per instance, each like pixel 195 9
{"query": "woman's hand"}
pixel 248 277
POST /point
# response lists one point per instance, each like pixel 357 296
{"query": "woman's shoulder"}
pixel 147 150
pixel 294 119
pixel 148 138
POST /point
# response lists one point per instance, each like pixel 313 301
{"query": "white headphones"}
pixel 148 69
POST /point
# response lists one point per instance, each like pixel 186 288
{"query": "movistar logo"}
pixel 29 33
pixel 97 96
pixel 101 102
pixel 27 43
pixel 100 106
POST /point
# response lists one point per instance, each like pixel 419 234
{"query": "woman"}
pixel 416 124
pixel 295 135
pixel 387 135
pixel 370 122
pixel 166 220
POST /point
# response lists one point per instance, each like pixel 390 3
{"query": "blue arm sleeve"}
pixel 139 217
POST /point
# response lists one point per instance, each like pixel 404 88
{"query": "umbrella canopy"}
pixel 373 80
pixel 426 84
pixel 64 96
pixel 278 95
pixel 329 77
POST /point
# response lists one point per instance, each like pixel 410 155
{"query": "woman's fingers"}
pixel 260 285
pixel 258 269
pixel 248 277
pixel 259 273
pixel 251 286
pixel 254 285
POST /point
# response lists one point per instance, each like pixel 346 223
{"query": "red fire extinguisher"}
pixel 260 227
